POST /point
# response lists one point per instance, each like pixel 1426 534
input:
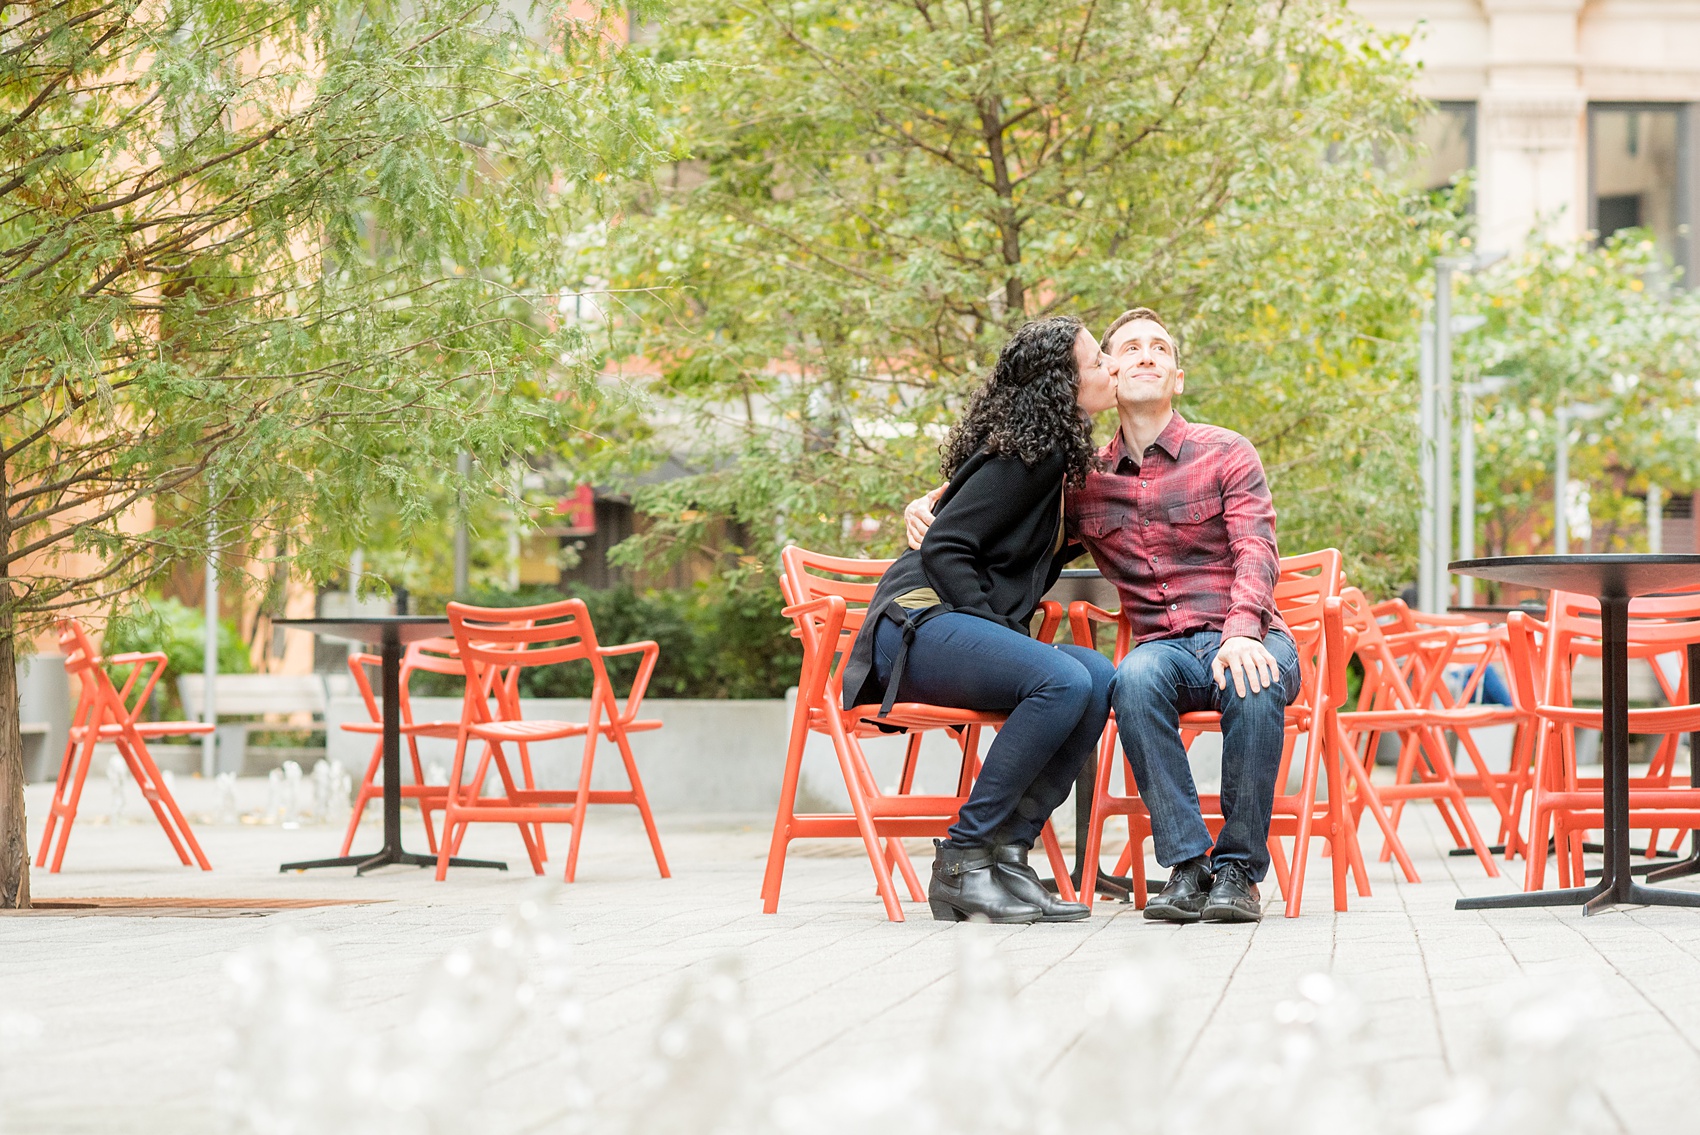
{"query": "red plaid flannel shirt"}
pixel 1186 532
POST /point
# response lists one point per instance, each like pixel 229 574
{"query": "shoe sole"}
pixel 944 912
pixel 1229 914
pixel 1170 914
pixel 1081 917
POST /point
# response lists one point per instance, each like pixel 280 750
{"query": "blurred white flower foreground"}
pixel 300 1064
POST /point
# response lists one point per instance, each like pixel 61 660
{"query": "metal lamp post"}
pixel 1468 393
pixel 1567 412
pixel 1435 541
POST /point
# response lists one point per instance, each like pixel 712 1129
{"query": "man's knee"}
pixel 1144 675
pixel 1268 703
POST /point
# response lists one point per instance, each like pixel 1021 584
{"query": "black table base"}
pixel 389 857
pixel 1615 584
pixel 392 853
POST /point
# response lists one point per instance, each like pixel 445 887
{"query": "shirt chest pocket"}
pixel 1098 523
pixel 1198 532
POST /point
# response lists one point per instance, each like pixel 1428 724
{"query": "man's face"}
pixel 1148 377
pixel 1098 373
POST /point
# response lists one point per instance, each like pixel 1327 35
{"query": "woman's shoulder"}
pixel 1001 466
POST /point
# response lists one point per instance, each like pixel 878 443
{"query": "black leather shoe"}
pixel 1020 880
pixel 1233 897
pixel 1183 898
pixel 964 886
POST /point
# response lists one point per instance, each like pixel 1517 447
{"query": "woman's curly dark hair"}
pixel 1027 407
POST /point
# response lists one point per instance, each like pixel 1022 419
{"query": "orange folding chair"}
pixel 495 646
pixel 827 599
pixel 431 656
pixel 1474 649
pixel 1388 703
pixel 1563 804
pixel 109 713
pixel 1306 585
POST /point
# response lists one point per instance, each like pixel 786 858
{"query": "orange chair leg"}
pixel 641 798
pixel 581 803
pixel 366 793
pixel 1059 865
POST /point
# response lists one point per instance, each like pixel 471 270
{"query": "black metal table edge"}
pixel 391 853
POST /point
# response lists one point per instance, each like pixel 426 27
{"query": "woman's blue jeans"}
pixel 1156 683
pixel 1057 698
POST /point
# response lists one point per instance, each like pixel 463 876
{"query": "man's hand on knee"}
pixel 1249 661
pixel 918 516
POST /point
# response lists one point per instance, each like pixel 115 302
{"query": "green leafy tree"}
pixel 266 268
pixel 1570 323
pixel 878 193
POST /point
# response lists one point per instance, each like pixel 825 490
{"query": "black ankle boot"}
pixel 1022 881
pixel 964 886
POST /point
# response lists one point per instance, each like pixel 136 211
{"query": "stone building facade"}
pixel 1578 115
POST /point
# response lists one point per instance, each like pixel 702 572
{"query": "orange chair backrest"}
pixel 1302 590
pixel 1387 683
pixel 433 655
pixel 1339 643
pixel 496 643
pixel 809 576
pixel 1658 625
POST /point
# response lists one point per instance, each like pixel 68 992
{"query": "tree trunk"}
pixel 14 828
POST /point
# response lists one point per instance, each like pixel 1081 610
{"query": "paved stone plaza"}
pixel 131 1006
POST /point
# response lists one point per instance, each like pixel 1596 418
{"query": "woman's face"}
pixel 1098 375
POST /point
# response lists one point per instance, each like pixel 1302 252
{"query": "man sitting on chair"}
pixel 1182 523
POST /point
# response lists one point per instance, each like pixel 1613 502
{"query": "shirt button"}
pixel 1174 606
pixel 1142 484
pixel 1165 587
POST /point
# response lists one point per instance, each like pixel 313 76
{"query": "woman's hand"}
pixel 918 516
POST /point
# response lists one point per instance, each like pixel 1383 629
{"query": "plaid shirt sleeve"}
pixel 1249 512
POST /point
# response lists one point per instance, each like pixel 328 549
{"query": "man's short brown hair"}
pixel 1130 316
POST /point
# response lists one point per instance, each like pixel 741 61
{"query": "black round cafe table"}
pixel 392 632
pixel 1614 580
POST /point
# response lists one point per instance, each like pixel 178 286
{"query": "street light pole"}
pixel 1467 395
pixel 1567 413
pixel 1433 585
pixel 1442 427
pixel 463 465
pixel 209 659
pixel 1426 574
pixel 1561 486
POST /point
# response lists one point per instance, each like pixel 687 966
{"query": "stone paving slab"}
pixel 132 1008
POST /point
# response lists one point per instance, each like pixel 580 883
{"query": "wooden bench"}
pixel 283 698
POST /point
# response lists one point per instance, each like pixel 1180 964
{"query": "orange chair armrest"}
pixel 640 681
pixel 1411 638
pixel 357 664
pixel 135 656
pixel 1094 612
pixel 1052 620
pixel 814 606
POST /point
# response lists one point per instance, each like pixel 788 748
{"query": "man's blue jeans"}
pixel 1156 683
pixel 1057 697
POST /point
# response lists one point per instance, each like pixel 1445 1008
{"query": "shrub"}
pixel 179 633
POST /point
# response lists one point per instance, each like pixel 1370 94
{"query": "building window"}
pixel 1637 173
pixel 1448 137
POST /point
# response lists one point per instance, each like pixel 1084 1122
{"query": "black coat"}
pixel 992 552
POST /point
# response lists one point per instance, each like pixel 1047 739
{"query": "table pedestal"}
pixel 1617 884
pixel 392 852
